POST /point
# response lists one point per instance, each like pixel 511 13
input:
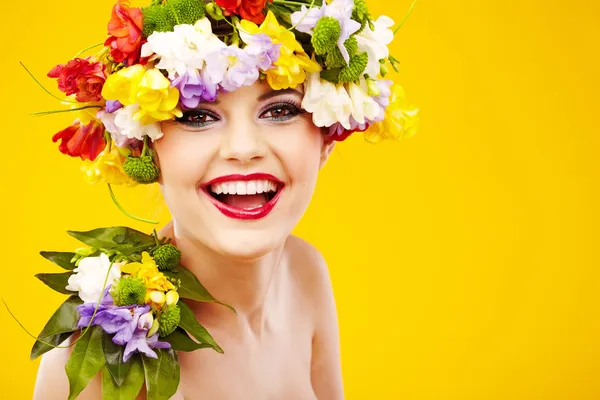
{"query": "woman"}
pixel 239 158
pixel 283 342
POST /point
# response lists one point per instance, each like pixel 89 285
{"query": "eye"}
pixel 281 112
pixel 197 118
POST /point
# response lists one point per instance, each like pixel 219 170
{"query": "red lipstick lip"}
pixel 239 213
pixel 238 177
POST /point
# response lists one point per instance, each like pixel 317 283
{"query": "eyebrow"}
pixel 274 93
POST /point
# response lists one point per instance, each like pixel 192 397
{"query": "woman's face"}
pixel 238 174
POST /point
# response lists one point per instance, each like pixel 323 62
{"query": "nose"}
pixel 243 142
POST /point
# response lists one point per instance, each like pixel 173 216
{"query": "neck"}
pixel 244 284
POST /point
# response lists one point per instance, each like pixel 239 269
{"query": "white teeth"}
pixel 244 187
pixel 251 188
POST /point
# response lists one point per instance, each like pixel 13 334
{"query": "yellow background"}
pixel 464 260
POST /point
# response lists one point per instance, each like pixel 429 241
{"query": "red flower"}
pixel 80 77
pixel 85 141
pixel 125 30
pixel 229 6
pixel 252 10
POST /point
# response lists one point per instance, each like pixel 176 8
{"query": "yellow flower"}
pixel 122 85
pixel 107 167
pixel 149 89
pixel 157 99
pixel 290 69
pixel 400 121
pixel 148 272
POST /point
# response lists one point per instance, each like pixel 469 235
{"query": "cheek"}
pixel 183 157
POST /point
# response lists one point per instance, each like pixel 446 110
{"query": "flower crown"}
pixel 173 54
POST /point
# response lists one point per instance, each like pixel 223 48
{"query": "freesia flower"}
pixel 187 47
pixel 78 140
pixel 119 139
pixel 328 103
pixel 195 86
pixel 293 63
pixel 341 10
pixel 262 49
pixel 108 168
pixel 241 68
pixel 125 30
pixel 364 108
pixel 122 85
pixel 82 77
pixel 127 125
pixel 147 270
pixel 250 10
pixel 375 43
pixel 88 278
pixel 400 121
pixel 128 324
pixel 157 100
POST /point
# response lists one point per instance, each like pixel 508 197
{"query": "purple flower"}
pixel 242 68
pixel 123 322
pixel 139 342
pixel 195 86
pixel 262 49
pixel 113 105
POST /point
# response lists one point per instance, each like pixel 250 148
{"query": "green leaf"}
pixel 56 282
pixel 85 361
pixel 62 322
pixel 192 326
pixel 61 259
pixel 180 341
pixel 191 288
pixel 124 239
pixel 130 387
pixel 162 374
pixel 113 354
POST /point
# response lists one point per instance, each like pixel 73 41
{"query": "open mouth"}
pixel 245 195
pixel 243 198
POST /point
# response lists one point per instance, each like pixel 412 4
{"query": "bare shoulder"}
pixel 307 263
pixel 310 271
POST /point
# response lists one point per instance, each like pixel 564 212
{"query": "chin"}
pixel 246 244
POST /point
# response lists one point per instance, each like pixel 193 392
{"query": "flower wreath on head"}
pixel 159 60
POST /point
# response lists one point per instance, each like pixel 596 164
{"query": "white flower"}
pixel 364 107
pixel 133 128
pixel 375 43
pixel 187 46
pixel 89 277
pixel 327 102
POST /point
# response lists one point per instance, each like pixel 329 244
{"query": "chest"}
pixel 274 368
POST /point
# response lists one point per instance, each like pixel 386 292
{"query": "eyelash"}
pixel 291 107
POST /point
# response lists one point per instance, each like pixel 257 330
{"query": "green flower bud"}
pixel 214 12
pixel 326 34
pixel 141 169
pixel 361 14
pixel 335 59
pixel 383 70
pixel 129 291
pixel 85 251
pixel 373 89
pixel 355 69
pixel 168 321
pixel 167 257
pixel 154 328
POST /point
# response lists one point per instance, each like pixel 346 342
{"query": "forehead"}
pixel 257 92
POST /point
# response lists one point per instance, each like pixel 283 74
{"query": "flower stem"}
pixel 291 3
pixel 63 111
pixel 114 199
pixel 42 86
pixel 406 16
pixel 304 16
pixel 88 48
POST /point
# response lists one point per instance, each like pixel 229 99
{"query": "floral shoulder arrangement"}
pixel 124 313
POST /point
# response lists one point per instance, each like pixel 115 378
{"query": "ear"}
pixel 326 149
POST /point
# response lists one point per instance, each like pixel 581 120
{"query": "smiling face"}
pixel 238 174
